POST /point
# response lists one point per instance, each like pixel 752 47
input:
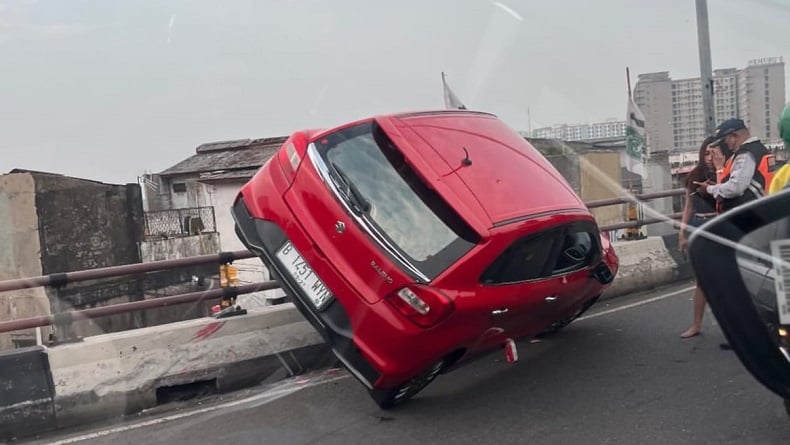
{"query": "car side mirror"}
pixel 742 263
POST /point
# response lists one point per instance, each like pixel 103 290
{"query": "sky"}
pixel 109 90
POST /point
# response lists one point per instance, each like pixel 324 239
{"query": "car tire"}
pixel 389 398
pixel 560 324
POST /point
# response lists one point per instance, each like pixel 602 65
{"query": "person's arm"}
pixel 685 217
pixel 743 167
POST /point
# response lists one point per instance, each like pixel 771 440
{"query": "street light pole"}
pixel 705 67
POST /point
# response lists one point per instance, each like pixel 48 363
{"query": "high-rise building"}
pixel 761 96
pixel 582 132
pixel 673 108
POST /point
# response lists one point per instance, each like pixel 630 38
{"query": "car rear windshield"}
pixel 385 192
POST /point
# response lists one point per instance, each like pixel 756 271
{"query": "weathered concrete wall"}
pixel 19 254
pixel 593 175
pixel 84 225
pixel 600 179
pixel 175 248
pixel 659 178
pixel 568 166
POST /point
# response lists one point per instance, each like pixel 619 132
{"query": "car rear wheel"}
pixel 389 398
pixel 559 324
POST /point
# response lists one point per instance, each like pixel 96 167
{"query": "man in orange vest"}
pixel 746 174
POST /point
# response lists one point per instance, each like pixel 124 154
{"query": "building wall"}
pixel 688 121
pixel 159 285
pixel 19 254
pixel 659 178
pixel 653 95
pixel 600 175
pixel 251 270
pixel 755 94
pixel 87 225
pixel 762 98
pixel 182 247
pixel 725 94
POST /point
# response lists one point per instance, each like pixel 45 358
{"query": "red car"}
pixel 413 241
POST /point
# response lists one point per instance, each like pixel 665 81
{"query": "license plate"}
pixel 780 251
pixel 304 276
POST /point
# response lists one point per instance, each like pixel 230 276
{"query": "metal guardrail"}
pixel 61 279
pixel 637 199
pixel 634 198
pixel 115 309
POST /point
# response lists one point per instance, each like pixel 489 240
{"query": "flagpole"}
pixel 628 81
pixel 630 205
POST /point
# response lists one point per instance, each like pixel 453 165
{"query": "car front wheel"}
pixel 389 398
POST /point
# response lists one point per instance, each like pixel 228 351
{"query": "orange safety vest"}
pixel 761 180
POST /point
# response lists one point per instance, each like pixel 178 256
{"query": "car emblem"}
pixel 340 227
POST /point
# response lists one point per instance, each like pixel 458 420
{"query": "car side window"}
pixel 555 252
pixel 526 259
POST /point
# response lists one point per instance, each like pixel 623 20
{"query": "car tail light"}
pixel 423 305
pixel 291 155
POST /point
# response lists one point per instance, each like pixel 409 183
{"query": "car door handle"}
pixel 551 299
pixel 498 312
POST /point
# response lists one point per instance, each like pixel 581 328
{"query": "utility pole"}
pixel 705 67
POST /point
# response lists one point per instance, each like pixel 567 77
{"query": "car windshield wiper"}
pixel 351 191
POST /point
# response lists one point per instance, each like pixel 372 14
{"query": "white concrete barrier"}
pixel 644 264
pixel 119 373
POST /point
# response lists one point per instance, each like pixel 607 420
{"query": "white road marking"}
pixel 639 303
pixel 276 393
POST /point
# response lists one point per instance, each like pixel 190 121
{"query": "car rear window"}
pixel 412 217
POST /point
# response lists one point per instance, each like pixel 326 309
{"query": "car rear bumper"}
pixel 264 238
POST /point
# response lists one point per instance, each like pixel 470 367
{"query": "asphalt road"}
pixel 621 375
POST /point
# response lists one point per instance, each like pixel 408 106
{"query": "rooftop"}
pixel 227 159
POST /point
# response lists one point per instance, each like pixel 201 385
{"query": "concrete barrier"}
pixel 122 373
pixel 26 392
pixel 644 264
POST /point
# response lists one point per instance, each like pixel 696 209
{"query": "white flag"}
pixel 635 140
pixel 451 101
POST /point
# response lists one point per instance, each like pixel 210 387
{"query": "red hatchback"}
pixel 412 241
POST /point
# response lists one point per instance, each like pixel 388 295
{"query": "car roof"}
pixel 502 176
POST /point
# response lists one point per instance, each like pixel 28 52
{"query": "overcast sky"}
pixel 107 90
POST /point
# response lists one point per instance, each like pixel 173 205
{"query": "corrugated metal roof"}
pixel 227 156
pixel 225 175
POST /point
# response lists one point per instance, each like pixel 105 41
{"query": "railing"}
pixel 180 222
pixel 61 279
pixel 637 199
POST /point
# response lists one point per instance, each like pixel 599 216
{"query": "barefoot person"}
pixel 698 209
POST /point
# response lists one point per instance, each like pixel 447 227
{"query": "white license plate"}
pixel 304 276
pixel 780 251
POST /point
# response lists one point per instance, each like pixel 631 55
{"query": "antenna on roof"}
pixel 466 162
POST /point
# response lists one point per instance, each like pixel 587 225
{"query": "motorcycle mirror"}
pixel 742 263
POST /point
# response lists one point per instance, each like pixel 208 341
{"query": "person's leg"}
pixel 699 312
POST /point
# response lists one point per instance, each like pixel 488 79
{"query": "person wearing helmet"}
pixel 782 177
pixel 747 174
